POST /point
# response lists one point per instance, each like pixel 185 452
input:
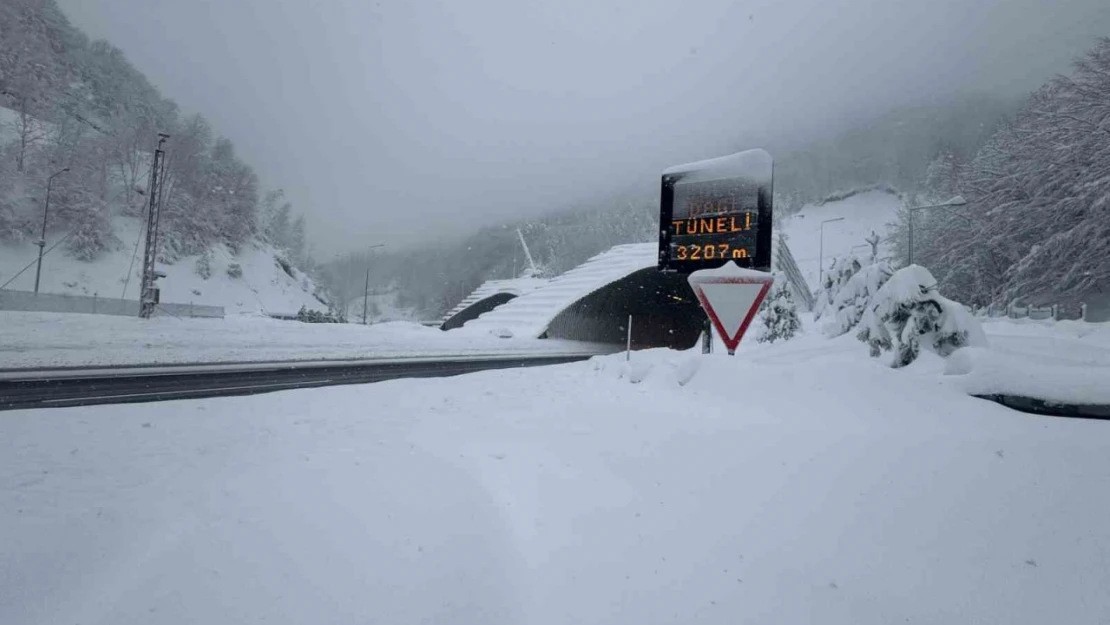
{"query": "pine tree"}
pixel 908 314
pixel 780 319
pixel 839 273
pixel 204 265
pixel 854 297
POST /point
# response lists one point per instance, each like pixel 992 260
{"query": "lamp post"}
pixel 956 201
pixel 821 256
pixel 45 215
pixel 366 286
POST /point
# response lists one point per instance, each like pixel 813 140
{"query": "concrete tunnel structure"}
pixel 486 297
pixel 593 301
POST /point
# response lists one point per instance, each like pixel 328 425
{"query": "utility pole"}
pixel 366 286
pixel 148 293
pixel 45 213
pixel 527 254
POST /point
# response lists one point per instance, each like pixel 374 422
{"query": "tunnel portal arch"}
pixel 665 313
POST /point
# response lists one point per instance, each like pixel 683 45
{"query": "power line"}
pixel 134 253
pixel 32 263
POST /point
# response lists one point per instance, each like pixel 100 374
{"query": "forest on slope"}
pixel 1035 229
pixel 70 103
pixel 1036 226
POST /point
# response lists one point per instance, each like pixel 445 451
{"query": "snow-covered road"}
pixel 797 483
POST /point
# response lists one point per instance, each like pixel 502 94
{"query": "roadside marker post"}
pixel 731 296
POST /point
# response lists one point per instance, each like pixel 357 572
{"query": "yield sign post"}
pixel 731 295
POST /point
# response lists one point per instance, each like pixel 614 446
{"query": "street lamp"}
pixel 45 214
pixel 366 287
pixel 956 201
pixel 821 256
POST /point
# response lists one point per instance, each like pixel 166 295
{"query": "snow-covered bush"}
pixel 315 316
pixel 840 272
pixel 852 299
pixel 235 270
pixel 908 313
pixel 780 315
pixel 204 265
pixel 92 237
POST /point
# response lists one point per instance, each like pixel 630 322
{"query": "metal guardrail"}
pixel 784 262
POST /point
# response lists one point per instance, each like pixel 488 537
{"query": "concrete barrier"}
pixel 27 301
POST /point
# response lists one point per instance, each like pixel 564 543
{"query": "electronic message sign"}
pixel 715 211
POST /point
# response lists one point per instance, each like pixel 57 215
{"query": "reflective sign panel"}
pixel 717 211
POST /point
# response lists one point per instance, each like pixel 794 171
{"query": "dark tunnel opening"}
pixel 476 309
pixel 664 312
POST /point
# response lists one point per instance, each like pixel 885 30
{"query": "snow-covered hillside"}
pixel 863 213
pixel 264 287
pixel 383 308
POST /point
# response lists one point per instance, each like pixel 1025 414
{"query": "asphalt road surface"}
pixel 85 387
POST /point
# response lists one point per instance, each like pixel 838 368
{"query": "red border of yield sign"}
pixel 731 342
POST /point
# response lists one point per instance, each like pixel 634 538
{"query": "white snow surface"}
pixel 799 482
pixel 71 340
pixel 264 286
pixel 489 288
pixel 1064 361
pixel 862 213
pixel 530 314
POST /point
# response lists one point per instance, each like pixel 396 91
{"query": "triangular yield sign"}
pixel 731 296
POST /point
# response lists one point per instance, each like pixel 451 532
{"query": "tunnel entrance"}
pixel 476 309
pixel 665 313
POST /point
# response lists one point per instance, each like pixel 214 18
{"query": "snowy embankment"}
pixel 1063 361
pixel 35 340
pixel 263 285
pixel 862 214
pixel 798 482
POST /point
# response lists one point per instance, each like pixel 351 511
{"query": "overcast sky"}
pixel 385 119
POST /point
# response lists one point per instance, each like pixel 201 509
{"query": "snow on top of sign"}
pixel 730 271
pixel 529 315
pixel 755 164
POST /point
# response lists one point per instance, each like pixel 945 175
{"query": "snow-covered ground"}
pixel 1064 361
pixel 263 287
pixel 862 214
pixel 796 483
pixel 73 340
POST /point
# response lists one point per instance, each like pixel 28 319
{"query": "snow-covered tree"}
pixel 297 240
pixel 204 265
pixel 943 177
pixel 779 315
pixel 840 271
pixel 908 314
pixel 1037 224
pixel 852 299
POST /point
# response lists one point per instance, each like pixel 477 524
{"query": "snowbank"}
pixel 263 287
pixel 797 482
pixel 988 372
